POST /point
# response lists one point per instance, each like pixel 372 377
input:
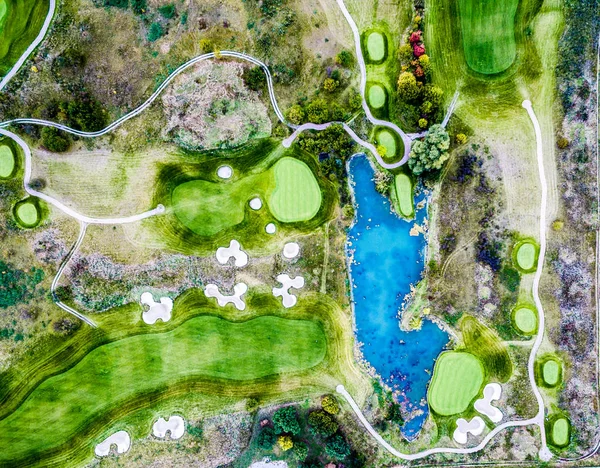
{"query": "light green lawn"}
pixel 404 194
pixel 3 9
pixel 28 214
pixel 457 380
pixel 560 432
pixel 376 96
pixel 111 375
pixel 525 320
pixel 387 140
pixel 551 372
pixel 488 31
pixel 526 256
pixel 376 46
pixel 7 161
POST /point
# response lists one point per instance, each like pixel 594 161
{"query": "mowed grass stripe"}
pixel 110 375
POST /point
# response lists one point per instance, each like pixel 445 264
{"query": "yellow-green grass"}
pixel 19 25
pixel 525 255
pixel 561 430
pixel 386 139
pixel 376 96
pixel 525 319
pixel 488 32
pixel 376 45
pixel 27 213
pixel 297 195
pixel 457 380
pixel 404 194
pixel 551 372
pixel 7 161
pixel 3 8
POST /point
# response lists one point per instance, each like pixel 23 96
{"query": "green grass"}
pixel 205 346
pixel 525 320
pixel 457 380
pixel 488 32
pixel 7 161
pixel 376 46
pixel 20 24
pixel 376 96
pixel 404 194
pixel 388 141
pixel 561 432
pixel 525 254
pixel 297 196
pixel 27 214
pixel 3 8
pixel 551 372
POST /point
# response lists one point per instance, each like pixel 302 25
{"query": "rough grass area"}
pixel 297 196
pixel 404 194
pixel 488 31
pixel 7 161
pixel 457 380
pixel 525 320
pixel 19 25
pixel 525 255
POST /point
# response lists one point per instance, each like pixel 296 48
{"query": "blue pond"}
pixel 386 260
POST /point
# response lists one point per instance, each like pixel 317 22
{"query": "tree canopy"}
pixel 286 420
pixel 430 153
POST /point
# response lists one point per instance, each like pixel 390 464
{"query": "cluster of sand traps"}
pixel 225 172
pixel 121 439
pixel 158 310
pixel 289 300
pixel 266 463
pixel 270 228
pixel 291 250
pixel 175 425
pixel 256 203
pixel 475 427
pixel 484 406
pixel 234 250
pixel 212 290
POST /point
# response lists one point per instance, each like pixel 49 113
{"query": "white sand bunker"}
pixel 270 228
pixel 256 203
pixel 234 250
pixel 266 463
pixel 175 425
pixel 158 310
pixel 225 172
pixel 475 427
pixel 291 250
pixel 212 290
pixel 289 300
pixel 121 439
pixel 484 406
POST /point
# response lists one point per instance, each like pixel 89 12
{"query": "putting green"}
pixel 488 32
pixel 457 380
pixel 560 432
pixel 376 96
pixel 113 375
pixel 376 46
pixel 525 320
pixel 3 9
pixel 7 161
pixel 404 194
pixel 387 140
pixel 526 255
pixel 297 195
pixel 551 372
pixel 27 214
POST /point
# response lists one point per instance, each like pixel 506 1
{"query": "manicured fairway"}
pixel 526 256
pixel 387 140
pixel 376 46
pixel 488 32
pixel 376 96
pixel 560 432
pixel 27 214
pixel 297 195
pixel 525 320
pixel 112 375
pixel 7 161
pixel 404 194
pixel 457 380
pixel 551 372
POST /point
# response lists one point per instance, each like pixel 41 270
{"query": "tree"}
pixel 337 447
pixel 322 423
pixel 423 123
pixel 407 86
pixel 431 152
pixel 285 442
pixel 286 420
pixel 266 438
pixel 461 138
pixel 418 50
pixel 330 85
pixel 355 101
pixel 317 111
pixel 300 451
pixel 116 3
pixel 167 11
pixel 253 77
pixel 54 140
pixel 425 63
pixel 344 58
pixel 206 45
pixel 86 114
pixel 433 94
pixel 295 114
pixel 155 32
pixel 138 6
pixel 405 53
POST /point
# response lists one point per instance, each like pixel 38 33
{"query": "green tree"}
pixel 138 6
pixel 167 11
pixel 266 439
pixel 317 111
pixel 86 114
pixel 295 114
pixel 54 140
pixel 286 420
pixel 433 94
pixel 337 447
pixel 344 58
pixel 430 153
pixel 253 77
pixel 423 123
pixel 155 32
pixel 116 3
pixel 355 101
pixel 330 85
pixel 300 451
pixel 322 423
pixel 405 54
pixel 408 90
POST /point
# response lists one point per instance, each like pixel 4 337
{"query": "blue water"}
pixel 386 260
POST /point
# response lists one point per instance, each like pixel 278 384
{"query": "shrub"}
pixel 206 46
pixel 167 11
pixel 86 114
pixel 266 439
pixel 558 225
pixel 195 430
pixel 418 50
pixel 562 142
pixel 355 101
pixel 139 6
pixel 330 85
pixel 54 140
pixel 344 58
pixel 461 138
pixel 415 37
pixel 295 114
pixel 434 94
pixel 510 278
pixel 286 420
pixel 407 87
pixel 488 251
pixel 155 32
pixel 116 3
pixel 382 150
pixel 17 285
pixel 423 123
pixel 337 447
pixel 254 78
pixel 393 413
pixel 252 404
pixel 300 451
pixel 322 423
pixel 405 53
pixel 285 442
pixel 425 63
pixel 430 153
pixel 317 111
pixel 426 107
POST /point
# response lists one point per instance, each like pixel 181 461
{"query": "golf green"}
pixel 551 372
pixel 376 46
pixel 404 194
pixel 526 255
pixel 560 432
pixel 387 140
pixel 376 96
pixel 525 320
pixel 110 376
pixel 488 32
pixel 7 161
pixel 297 195
pixel 3 9
pixel 457 380
pixel 27 214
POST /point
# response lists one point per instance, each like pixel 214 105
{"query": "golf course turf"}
pixel 561 430
pixel 404 195
pixel 488 34
pixel 525 320
pixel 376 46
pixel 376 96
pixel 525 255
pixel 551 372
pixel 457 380
pixel 7 161
pixel 27 213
